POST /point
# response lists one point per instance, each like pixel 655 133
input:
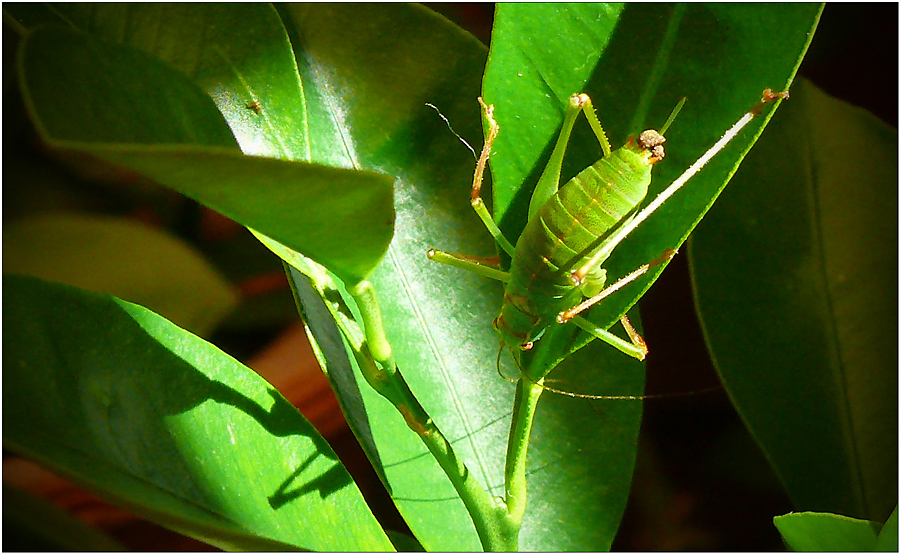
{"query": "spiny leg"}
pixel 470 263
pixel 638 348
pixel 477 202
pixel 572 312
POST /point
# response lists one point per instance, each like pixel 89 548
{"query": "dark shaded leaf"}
pixel 122 258
pixel 796 285
pixel 34 524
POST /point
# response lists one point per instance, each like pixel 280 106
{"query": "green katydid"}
pixel 573 229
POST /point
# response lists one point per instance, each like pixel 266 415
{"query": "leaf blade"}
pixel 126 403
pixel 342 218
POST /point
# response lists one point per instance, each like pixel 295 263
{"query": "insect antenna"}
pixel 447 121
pixel 672 116
pixel 628 397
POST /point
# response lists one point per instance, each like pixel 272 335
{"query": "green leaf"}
pixel 720 57
pixel 387 62
pixel 341 218
pixel 127 404
pixel 822 532
pixel 122 258
pixel 795 276
pixel 529 84
pixel 887 538
pixel 81 89
pixel 370 71
pixel 242 56
pixel 346 219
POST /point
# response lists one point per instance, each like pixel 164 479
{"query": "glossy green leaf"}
pixel 386 62
pixel 122 258
pixel 355 201
pixel 821 532
pixel 55 64
pixel 796 285
pixel 124 402
pixel 367 73
pixel 341 218
pixel 720 57
pixel 529 83
pixel 242 56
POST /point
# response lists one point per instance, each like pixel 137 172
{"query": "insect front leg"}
pixel 470 263
pixel 548 183
pixel 477 202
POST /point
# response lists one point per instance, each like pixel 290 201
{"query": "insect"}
pixel 255 106
pixel 556 270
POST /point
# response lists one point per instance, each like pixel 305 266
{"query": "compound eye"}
pixel 526 345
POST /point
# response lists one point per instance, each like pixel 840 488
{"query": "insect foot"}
pixel 769 96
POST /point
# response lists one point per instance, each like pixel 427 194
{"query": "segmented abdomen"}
pixel 562 236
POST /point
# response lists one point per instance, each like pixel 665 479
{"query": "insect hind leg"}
pixel 635 346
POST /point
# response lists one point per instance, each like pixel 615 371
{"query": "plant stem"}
pixel 496 529
pixel 527 394
pixel 488 513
